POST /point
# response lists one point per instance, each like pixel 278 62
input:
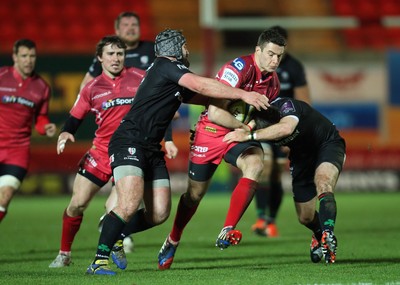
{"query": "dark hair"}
pixel 266 118
pixel 271 36
pixel 282 31
pixel 125 15
pixel 23 43
pixel 107 40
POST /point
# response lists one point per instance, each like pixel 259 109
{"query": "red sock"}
pixel 2 215
pixel 240 200
pixel 70 227
pixel 182 218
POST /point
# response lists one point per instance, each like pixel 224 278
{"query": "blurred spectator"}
pixel 139 54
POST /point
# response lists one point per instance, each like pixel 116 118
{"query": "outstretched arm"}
pixel 215 89
pixel 67 132
pixel 284 128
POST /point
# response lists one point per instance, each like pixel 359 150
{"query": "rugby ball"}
pixel 241 111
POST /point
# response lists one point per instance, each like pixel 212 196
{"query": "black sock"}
pixel 137 223
pixel 275 199
pixel 327 210
pixel 261 197
pixel 112 228
pixel 315 226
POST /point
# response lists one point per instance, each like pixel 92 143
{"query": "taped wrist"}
pixel 71 125
pixel 168 134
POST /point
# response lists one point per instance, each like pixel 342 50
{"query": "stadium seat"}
pixel 70 10
pixel 354 38
pixel 32 30
pixel 389 7
pixel 343 8
pixel 53 24
pixel 48 12
pixel 52 34
pixel 393 37
pixel 367 10
pixel 99 30
pixel 374 37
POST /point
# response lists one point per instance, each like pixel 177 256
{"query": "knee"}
pixel 192 199
pixel 258 167
pixel 6 194
pixel 252 168
pixel 305 220
pixel 324 182
pixel 128 209
pixel 159 217
pixel 76 209
pixel 323 186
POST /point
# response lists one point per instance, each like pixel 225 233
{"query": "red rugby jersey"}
pixel 243 73
pixel 21 101
pixel 109 100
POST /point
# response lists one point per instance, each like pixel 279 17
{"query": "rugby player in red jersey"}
pixel 24 100
pixel 140 54
pixel 253 72
pixel 109 97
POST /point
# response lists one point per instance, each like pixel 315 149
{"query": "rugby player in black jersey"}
pixel 136 158
pixel 317 155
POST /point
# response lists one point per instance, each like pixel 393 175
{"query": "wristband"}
pixel 251 129
pixel 252 136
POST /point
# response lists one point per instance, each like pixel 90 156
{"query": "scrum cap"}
pixel 169 43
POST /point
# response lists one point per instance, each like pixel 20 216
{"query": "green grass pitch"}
pixel 367 228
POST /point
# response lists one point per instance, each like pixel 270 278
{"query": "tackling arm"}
pixel 215 89
pixel 285 127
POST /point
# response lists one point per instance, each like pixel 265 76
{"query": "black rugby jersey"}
pixel 313 129
pixel 291 75
pixel 157 99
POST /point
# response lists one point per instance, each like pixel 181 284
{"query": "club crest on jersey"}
pixel 132 150
pixel 131 154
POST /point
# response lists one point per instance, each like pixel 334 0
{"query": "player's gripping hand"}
pixel 257 100
pixel 62 140
pixel 238 135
